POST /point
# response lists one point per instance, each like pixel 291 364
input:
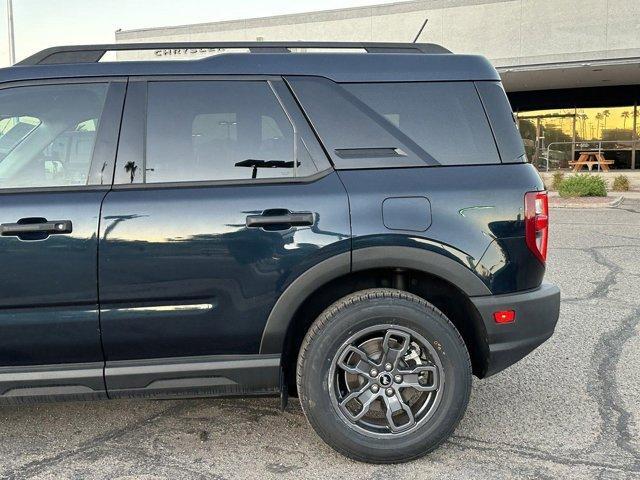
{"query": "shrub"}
pixel 620 183
pixel 558 177
pixel 584 185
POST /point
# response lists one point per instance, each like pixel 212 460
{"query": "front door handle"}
pixel 38 226
pixel 284 220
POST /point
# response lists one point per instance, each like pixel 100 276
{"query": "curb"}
pixel 612 204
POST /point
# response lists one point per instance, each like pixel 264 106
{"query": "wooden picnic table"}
pixel 589 159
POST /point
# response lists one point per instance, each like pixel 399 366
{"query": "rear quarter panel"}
pixel 477 217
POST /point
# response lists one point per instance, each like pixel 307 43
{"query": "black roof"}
pixel 383 62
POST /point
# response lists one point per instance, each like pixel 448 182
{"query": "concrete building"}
pixel 571 67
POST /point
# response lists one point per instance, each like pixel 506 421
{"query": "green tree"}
pixel 527 128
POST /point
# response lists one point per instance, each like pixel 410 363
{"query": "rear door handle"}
pixel 42 226
pixel 291 219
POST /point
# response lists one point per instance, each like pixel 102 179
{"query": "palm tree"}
pixel 625 116
pixel 599 119
pixel 584 117
pixel 605 114
pixel 131 168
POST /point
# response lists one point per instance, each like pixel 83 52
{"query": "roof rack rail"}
pixel 93 53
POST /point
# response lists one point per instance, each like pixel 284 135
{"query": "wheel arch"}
pixel 423 260
pixel 344 273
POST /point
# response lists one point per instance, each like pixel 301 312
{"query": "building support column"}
pixel 573 135
pixel 635 143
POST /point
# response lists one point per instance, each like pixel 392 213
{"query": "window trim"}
pixel 133 139
pixel 225 183
pixel 296 133
pixel 106 141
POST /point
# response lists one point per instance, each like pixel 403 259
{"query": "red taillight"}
pixel 504 316
pixel 536 223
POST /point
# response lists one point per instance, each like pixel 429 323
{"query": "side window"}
pixel 503 121
pixel 445 119
pixel 354 134
pixel 219 130
pixel 48 133
pixel 398 124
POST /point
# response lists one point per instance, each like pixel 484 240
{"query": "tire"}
pixel 343 376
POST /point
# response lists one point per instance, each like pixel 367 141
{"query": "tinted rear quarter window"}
pixel 446 119
pixel 503 122
pixel 398 124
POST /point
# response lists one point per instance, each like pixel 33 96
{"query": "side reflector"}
pixel 504 316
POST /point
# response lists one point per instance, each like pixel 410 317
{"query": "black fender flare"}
pixel 427 261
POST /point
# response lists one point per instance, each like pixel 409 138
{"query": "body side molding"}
pixel 44 383
pixel 214 375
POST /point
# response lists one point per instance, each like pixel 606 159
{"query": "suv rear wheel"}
pixel 383 376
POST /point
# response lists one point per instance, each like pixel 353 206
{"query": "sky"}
pixel 45 23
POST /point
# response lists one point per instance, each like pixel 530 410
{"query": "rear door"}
pixel 57 150
pixel 222 197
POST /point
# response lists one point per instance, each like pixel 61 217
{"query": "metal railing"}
pixel 585 147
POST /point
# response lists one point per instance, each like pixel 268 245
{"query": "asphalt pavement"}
pixel 569 410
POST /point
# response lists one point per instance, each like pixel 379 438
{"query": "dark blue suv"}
pixel 358 227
